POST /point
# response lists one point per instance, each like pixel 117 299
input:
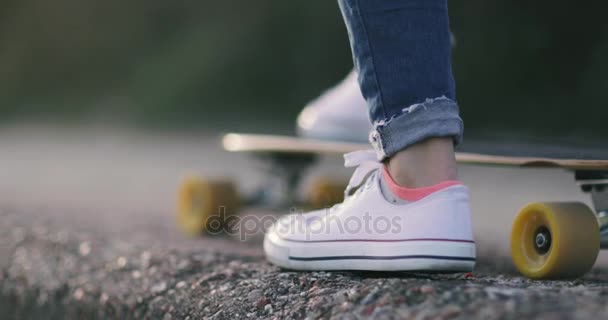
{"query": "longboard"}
pixel 549 240
pixel 276 144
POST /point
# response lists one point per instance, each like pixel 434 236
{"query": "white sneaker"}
pixel 340 114
pixel 369 232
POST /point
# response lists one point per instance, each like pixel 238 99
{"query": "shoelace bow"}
pixel 366 162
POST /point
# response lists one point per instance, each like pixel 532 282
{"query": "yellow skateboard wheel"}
pixel 325 192
pixel 555 240
pixel 204 205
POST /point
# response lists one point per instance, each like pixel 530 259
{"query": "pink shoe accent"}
pixel 414 194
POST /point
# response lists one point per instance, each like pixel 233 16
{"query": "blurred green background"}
pixel 521 66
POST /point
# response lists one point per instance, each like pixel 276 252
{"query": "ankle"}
pixel 413 194
pixel 424 164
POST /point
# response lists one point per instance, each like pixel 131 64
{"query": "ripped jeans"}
pixel 401 50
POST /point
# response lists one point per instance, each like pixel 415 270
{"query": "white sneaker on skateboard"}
pixel 379 231
pixel 340 114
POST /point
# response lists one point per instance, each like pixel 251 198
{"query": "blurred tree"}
pixel 523 66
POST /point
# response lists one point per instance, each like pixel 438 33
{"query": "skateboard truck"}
pixel 596 184
pixel 284 172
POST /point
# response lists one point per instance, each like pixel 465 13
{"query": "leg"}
pixel 401 51
pixel 409 214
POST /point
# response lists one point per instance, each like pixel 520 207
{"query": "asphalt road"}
pixel 88 230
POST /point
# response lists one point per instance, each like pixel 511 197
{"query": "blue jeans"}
pixel 401 50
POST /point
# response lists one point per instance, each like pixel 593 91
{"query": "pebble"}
pixel 78 294
pixel 316 303
pixel 183 264
pixel 446 296
pixel 84 249
pixel 370 296
pixel 159 287
pixel 268 308
pixel 262 302
pixel 145 259
pixel 121 262
pixel 426 289
pixel 450 311
pixel 254 295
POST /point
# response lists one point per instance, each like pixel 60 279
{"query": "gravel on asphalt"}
pixel 51 273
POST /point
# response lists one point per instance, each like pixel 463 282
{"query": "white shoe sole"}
pixel 423 255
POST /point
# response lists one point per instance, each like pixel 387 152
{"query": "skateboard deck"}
pixel 289 145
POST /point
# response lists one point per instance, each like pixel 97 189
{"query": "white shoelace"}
pixel 366 162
